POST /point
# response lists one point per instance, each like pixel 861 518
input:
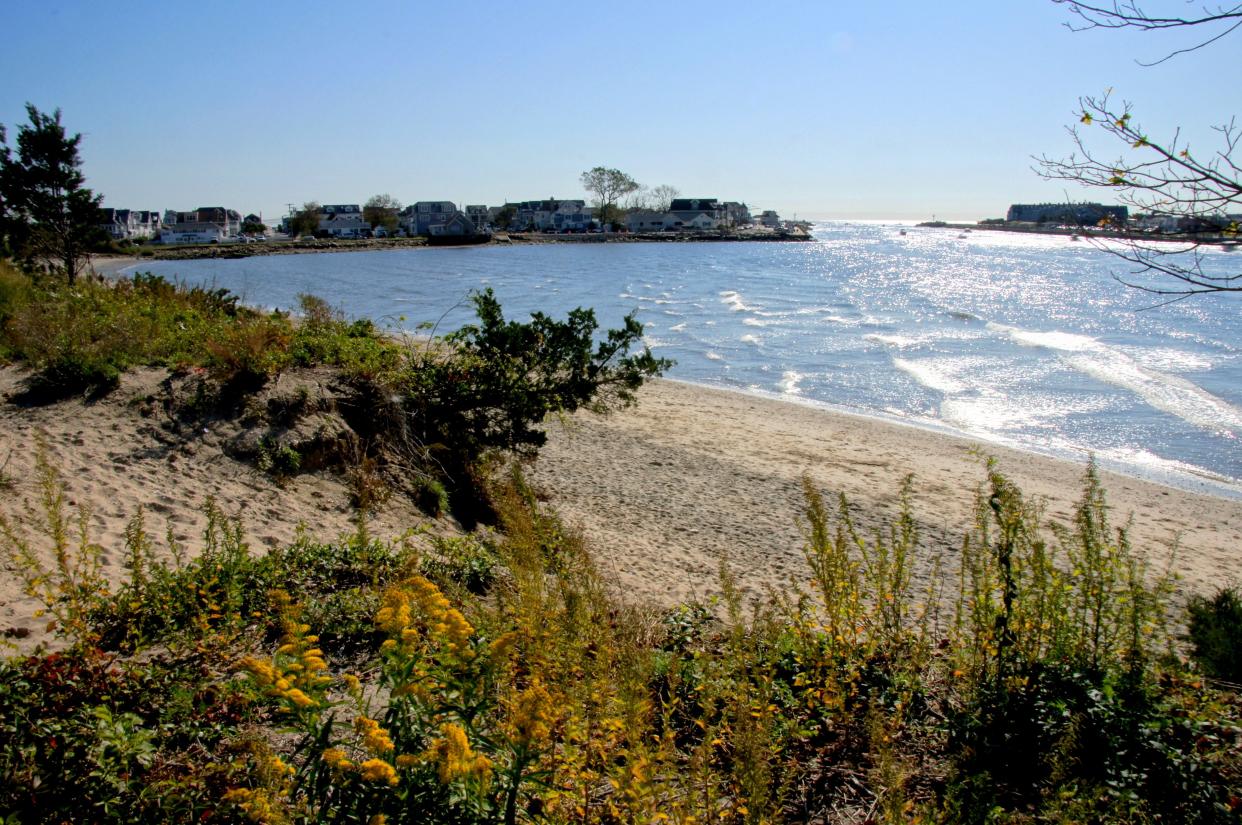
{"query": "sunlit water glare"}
pixel 1027 341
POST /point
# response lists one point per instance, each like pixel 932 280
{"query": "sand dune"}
pixel 664 491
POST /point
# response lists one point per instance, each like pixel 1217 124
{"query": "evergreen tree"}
pixel 47 215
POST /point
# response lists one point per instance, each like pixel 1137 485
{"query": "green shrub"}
pixel 281 461
pixel 1215 633
pixel 497 380
pixel 464 560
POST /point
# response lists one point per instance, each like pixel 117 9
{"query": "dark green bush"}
pixel 1216 633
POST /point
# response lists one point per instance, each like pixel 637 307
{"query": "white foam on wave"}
pixel 1168 358
pixel 751 339
pixel 677 327
pixel 756 322
pixel 899 341
pixel 711 355
pixel 866 320
pixel 1137 457
pixel 930 374
pixel 988 415
pixel 733 300
pixel 789 382
pixel 1064 341
pixel 1168 393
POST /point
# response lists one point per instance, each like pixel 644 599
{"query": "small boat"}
pixel 903 232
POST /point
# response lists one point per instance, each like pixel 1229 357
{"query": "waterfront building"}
pixel 1078 214
pixel 343 220
pixel 129 224
pixel 688 210
pixel 418 218
pixel 480 216
pixel 647 220
pixel 207 224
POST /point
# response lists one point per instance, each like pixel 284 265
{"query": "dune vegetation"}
pixel 495 677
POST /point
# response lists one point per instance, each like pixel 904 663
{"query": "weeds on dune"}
pixel 494 679
pixel 58 565
pixel 429 416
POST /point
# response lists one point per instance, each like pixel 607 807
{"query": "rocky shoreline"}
pixel 1093 233
pixel 301 247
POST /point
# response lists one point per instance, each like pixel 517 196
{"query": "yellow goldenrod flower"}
pixel 531 721
pixel 374 737
pixel 377 770
pixel 455 758
pixel 299 698
pixel 336 759
pixel 501 647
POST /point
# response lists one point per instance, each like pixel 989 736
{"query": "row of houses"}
pixel 206 224
pixel 545 215
pixel 214 224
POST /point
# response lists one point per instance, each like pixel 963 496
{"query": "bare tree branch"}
pixel 1131 15
pixel 1165 179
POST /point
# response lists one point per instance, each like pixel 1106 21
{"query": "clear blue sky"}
pixel 824 109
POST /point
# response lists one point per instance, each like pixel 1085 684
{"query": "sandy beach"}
pixel 693 475
pixel 664 491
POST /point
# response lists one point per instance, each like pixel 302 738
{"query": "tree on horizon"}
pixel 606 187
pixel 381 210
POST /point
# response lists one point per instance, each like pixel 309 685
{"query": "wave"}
pixel 678 327
pixel 711 355
pixel 1110 365
pixel 789 382
pixel 751 339
pixel 930 375
pixel 899 341
pixel 734 301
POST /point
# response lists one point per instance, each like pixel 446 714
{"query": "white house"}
pixel 701 221
pixel 646 220
pixel 688 210
pixel 573 216
pixel 342 220
pixel 207 224
pixel 128 224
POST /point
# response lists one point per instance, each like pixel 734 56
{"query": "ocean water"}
pixel 1021 340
